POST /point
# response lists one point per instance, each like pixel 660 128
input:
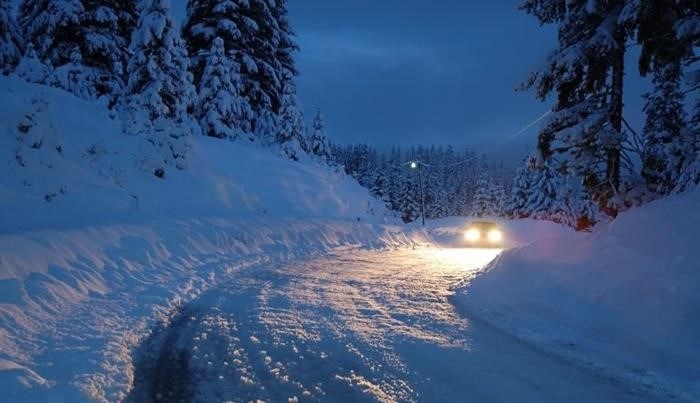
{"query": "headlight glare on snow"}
pixel 472 234
pixel 495 235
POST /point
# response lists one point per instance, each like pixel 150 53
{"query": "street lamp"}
pixel 416 165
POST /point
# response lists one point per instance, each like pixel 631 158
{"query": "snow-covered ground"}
pixel 66 164
pixel 252 276
pixel 355 325
pixel 624 299
pixel 93 251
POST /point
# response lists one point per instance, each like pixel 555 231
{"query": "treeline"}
pixel 454 183
pixel 228 72
pixel 589 163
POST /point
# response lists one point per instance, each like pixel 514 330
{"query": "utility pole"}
pixel 417 165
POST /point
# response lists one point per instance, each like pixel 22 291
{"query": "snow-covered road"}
pixel 354 325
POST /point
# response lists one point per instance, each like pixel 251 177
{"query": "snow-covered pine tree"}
pixel 409 201
pixel 53 27
pixel 356 161
pixel 553 196
pixel 690 176
pixel 266 87
pixel 206 20
pixel 487 200
pixel 378 186
pixel 586 73
pixel 107 27
pixel 394 172
pixel 543 197
pixel 370 168
pixel 429 197
pixel 440 204
pixel 94 33
pixel 318 141
pixel 72 76
pixel 389 197
pixel 291 133
pixel 286 46
pixel 500 196
pixel 688 31
pixel 222 110
pixel 259 34
pixel 159 90
pixel 290 108
pixel 523 185
pixel 264 68
pixel 474 205
pixel 11 42
pixel 666 149
pixel 573 207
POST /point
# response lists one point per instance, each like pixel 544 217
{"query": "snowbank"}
pixel 67 164
pixel 625 297
pixel 94 250
pixel 73 303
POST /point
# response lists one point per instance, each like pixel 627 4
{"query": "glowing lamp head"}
pixel 495 235
pixel 472 235
pixel 414 165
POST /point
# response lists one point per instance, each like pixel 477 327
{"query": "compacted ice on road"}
pixel 354 325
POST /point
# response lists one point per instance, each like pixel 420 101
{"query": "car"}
pixel 483 234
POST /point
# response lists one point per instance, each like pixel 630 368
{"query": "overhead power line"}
pixel 495 147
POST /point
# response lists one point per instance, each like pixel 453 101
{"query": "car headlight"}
pixel 495 235
pixel 472 234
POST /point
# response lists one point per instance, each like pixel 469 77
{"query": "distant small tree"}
pixel 318 141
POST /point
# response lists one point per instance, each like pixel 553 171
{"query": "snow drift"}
pixel 624 297
pixel 66 163
pixel 94 250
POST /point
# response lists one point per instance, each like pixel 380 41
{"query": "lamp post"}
pixel 416 165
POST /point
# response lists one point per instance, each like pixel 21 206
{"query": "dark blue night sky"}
pixel 417 72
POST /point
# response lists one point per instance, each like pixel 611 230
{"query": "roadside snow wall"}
pixel 626 297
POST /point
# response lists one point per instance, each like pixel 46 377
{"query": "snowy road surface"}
pixel 354 326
